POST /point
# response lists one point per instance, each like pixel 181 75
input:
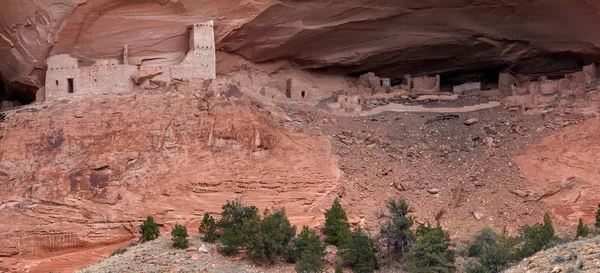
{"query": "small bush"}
pixel 359 252
pixel 132 244
pixel 149 230
pixel 475 267
pixel 307 240
pixel 338 269
pixel 486 237
pixel 582 230
pixel 396 233
pixel 309 262
pixel 308 251
pixel 597 224
pixel 180 237
pixel 270 238
pixel 537 237
pixel 119 251
pixel 232 219
pixel 208 228
pixel 430 253
pixel 336 228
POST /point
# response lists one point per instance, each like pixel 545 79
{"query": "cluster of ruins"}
pixel 525 94
pixel 65 77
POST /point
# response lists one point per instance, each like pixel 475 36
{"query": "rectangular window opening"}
pixel 70 82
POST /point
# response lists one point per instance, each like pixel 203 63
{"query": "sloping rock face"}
pixel 77 174
pixel 563 173
pixel 389 37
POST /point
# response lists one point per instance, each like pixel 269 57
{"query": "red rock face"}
pixel 388 37
pixel 100 165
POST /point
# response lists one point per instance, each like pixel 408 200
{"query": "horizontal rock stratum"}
pixel 389 37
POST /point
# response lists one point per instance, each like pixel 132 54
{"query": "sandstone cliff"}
pixel 83 173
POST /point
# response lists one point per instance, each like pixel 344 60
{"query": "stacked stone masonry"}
pixel 64 76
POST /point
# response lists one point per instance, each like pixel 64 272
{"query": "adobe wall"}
pixel 110 76
pixel 200 61
pixel 466 87
pixel 506 82
pixel 105 76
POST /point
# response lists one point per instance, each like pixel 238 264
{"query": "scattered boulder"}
pixel 191 248
pixel 433 191
pixel 203 249
pixel 520 193
pixel 471 121
pixel 478 215
pixel 146 73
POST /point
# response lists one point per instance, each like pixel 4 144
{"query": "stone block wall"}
pixel 64 77
pixel 467 87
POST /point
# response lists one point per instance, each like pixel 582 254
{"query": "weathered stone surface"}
pixel 433 191
pixel 471 121
pixel 90 179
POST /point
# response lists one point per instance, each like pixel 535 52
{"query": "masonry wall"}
pixel 105 76
pixel 110 76
pixel 200 61
pixel 466 87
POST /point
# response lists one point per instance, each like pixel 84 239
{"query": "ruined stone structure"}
pixel 543 92
pixel 64 76
pixel 467 87
pixel 296 90
pixel 426 85
pixel 506 82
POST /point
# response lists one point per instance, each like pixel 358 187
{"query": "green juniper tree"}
pixel 269 238
pixel 396 233
pixel 336 228
pixel 537 237
pixel 208 228
pixel 232 218
pixel 308 251
pixel 179 236
pixel 359 252
pixel 430 253
pixel 598 220
pixel 149 230
pixel 582 230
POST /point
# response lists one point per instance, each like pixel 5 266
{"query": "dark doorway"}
pixel 70 82
pixel 288 89
pixel 303 94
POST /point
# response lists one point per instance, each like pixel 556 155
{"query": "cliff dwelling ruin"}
pixel 65 77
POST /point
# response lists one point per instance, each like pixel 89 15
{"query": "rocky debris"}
pixel 191 248
pixel 145 73
pixel 578 256
pixel 471 121
pixel 159 256
pixel 478 215
pixel 520 193
pixel 203 249
pixel 429 152
pixel 433 191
